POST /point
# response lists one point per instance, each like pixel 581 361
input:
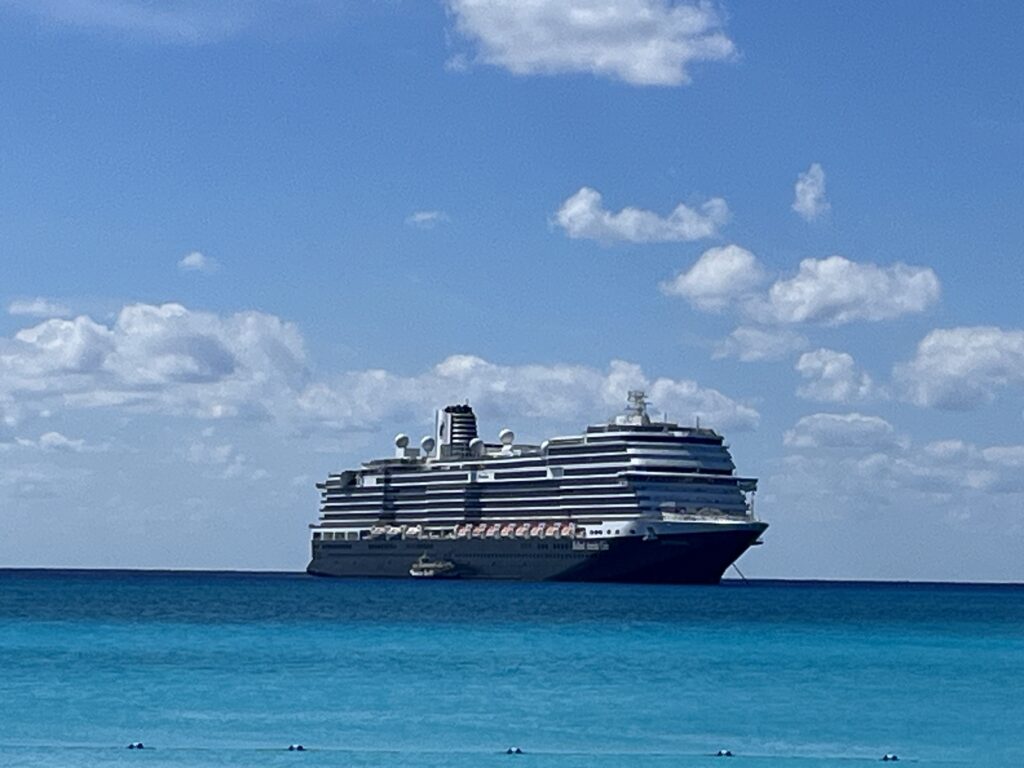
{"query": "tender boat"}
pixel 425 568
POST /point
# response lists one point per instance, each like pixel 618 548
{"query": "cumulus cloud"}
pixel 963 368
pixel 753 345
pixel 157 358
pixel 836 291
pixel 949 477
pixel 839 430
pixel 832 291
pixel 426 219
pixel 583 216
pixel 197 262
pixel 832 377
pixel 642 42
pixel 564 394
pixel 809 194
pixel 720 277
pixel 168 359
pixel 38 307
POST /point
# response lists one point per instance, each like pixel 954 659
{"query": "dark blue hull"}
pixel 684 558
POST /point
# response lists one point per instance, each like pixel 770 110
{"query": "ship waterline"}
pixel 633 500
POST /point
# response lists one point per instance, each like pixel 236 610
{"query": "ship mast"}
pixel 637 408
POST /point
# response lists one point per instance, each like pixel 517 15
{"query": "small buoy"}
pixel 136 745
pixel 723 753
pixel 296 748
pixel 889 757
pixel 513 751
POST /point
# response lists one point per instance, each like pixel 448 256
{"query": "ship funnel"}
pixel 456 428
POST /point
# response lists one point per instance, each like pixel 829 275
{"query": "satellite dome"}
pixel 401 440
pixel 427 444
pixel 507 436
pixel 476 446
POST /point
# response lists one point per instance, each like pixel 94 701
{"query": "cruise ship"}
pixel 632 500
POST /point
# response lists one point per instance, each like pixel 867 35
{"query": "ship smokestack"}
pixel 456 429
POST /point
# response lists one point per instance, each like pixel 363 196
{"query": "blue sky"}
pixel 243 247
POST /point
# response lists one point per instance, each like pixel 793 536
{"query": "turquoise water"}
pixel 228 669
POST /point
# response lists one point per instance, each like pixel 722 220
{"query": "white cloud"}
pixel 168 359
pixel 1005 455
pixel 720 277
pixel 38 307
pixel 943 481
pixel 642 42
pixel 836 291
pixel 197 262
pixel 569 395
pixel 837 430
pixel 155 358
pixel 426 219
pixel 832 291
pixel 58 443
pixel 809 194
pixel 752 345
pixel 832 377
pixel 583 216
pixel 963 368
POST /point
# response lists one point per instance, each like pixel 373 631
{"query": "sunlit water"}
pixel 229 669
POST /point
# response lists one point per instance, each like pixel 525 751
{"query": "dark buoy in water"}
pixel 723 753
pixel 889 757
pixel 136 745
pixel 513 751
pixel 296 748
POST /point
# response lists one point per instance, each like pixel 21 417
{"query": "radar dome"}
pixel 476 446
pixel 427 444
pixel 507 436
pixel 401 440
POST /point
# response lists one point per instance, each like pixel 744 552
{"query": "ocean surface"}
pixel 212 669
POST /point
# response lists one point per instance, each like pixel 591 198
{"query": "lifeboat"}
pixel 479 530
pixel 553 530
pixel 395 530
pixel 537 531
pixel 462 531
pixel 508 530
pixel 568 529
pixel 378 530
pixel 523 530
pixel 413 531
pixel 492 531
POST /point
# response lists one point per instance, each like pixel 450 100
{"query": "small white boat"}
pixel 568 529
pixel 425 568
pixel 492 531
pixel 537 531
pixel 553 531
pixel 523 530
pixel 413 532
pixel 479 530
pixel 378 530
pixel 508 530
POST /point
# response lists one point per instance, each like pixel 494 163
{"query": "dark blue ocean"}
pixel 229 669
